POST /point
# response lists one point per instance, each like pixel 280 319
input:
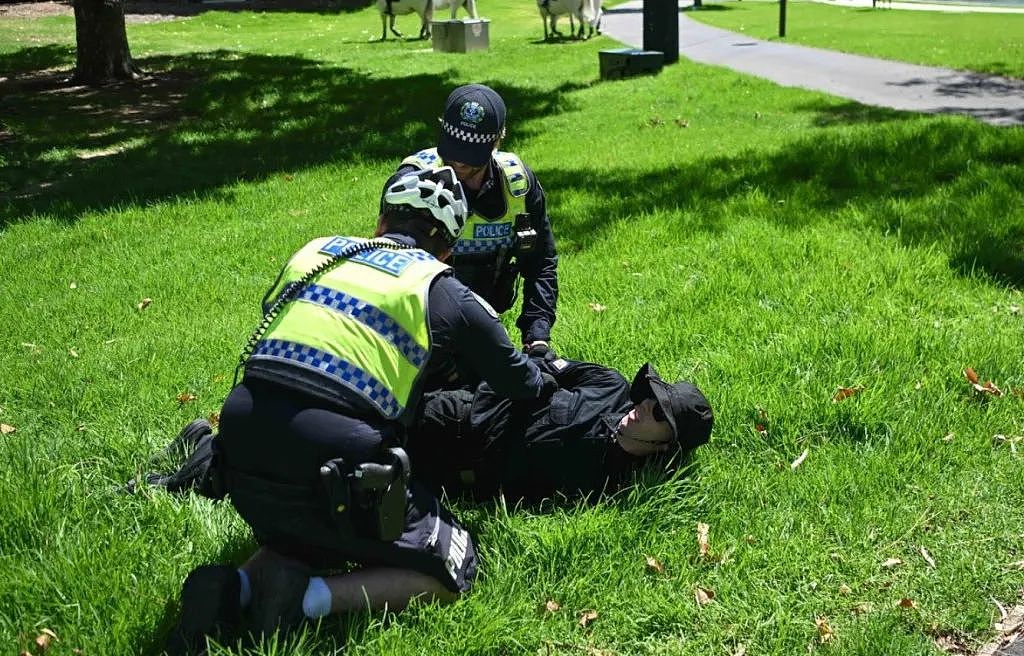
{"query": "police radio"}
pixel 526 236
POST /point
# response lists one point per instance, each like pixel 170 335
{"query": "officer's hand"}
pixel 549 387
pixel 540 350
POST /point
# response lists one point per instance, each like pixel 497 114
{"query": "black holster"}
pixel 369 496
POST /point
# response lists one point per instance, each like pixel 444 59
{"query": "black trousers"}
pixel 272 442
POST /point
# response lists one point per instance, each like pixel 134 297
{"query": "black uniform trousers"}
pixel 271 445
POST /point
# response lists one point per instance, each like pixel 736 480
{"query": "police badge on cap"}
pixel 472 123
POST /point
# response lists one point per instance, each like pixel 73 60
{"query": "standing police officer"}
pixel 508 234
pixel 310 441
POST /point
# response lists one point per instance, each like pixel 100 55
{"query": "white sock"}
pixel 316 603
pixel 245 591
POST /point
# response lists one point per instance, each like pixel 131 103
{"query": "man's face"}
pixel 469 175
pixel 641 433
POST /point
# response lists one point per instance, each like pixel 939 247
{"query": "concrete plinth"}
pixel 460 35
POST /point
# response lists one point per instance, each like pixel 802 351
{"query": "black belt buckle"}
pixel 526 236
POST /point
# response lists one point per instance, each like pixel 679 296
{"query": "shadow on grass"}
pixel 196 7
pixel 203 121
pixel 37 58
pixel 951 183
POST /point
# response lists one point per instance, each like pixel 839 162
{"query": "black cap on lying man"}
pixel 683 406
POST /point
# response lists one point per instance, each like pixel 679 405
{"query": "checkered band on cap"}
pixel 471 137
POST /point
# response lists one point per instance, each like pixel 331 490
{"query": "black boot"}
pixel 210 607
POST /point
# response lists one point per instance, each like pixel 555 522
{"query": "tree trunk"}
pixel 103 54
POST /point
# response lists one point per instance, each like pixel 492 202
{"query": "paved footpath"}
pixel 990 98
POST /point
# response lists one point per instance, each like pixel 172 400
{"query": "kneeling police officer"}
pixel 310 444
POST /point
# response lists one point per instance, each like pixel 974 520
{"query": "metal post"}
pixel 782 18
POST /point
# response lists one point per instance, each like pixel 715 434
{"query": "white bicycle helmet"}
pixel 435 190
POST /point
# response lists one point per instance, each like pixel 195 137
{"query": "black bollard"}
pixel 661 28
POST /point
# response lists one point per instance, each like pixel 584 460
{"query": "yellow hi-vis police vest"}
pixel 362 325
pixel 482 235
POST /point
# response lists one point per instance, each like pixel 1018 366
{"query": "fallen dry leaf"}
pixel 907 603
pixel 844 589
pixel 73 353
pixel 761 429
pixel 143 304
pixel 551 606
pixel 799 460
pixel 80 428
pixel 703 596
pixel 949 437
pixel 7 429
pixel 74 285
pixel 846 392
pixel 214 419
pixel 825 633
pixel 927 557
pixel 987 388
pixel 703 545
pixel 891 562
pixel 587 617
pixel 1012 621
pixel 186 397
pixel 45 639
pixel 597 307
pixel 683 123
pixel 1018 565
pixel 289 177
pixel 861 608
pixel 750 539
pixel 653 565
pixel 741 650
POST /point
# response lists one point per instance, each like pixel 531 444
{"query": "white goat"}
pixel 584 11
pixel 468 5
pixel 424 8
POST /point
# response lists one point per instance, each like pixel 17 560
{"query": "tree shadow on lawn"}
pixel 951 183
pixel 207 120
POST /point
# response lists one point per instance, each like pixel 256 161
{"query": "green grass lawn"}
pixel 770 244
pixel 987 43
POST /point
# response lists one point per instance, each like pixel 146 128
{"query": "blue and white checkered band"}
pixel 340 370
pixel 389 261
pixel 427 157
pixel 467 246
pixel 470 137
pixel 369 316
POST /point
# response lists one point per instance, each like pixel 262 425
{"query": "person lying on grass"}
pixel 590 436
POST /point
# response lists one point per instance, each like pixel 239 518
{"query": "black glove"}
pixel 542 353
pixel 549 387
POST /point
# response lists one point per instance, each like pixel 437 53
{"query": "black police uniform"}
pixel 274 437
pixel 477 442
pixel 538 268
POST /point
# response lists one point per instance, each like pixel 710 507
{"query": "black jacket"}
pixel 478 443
